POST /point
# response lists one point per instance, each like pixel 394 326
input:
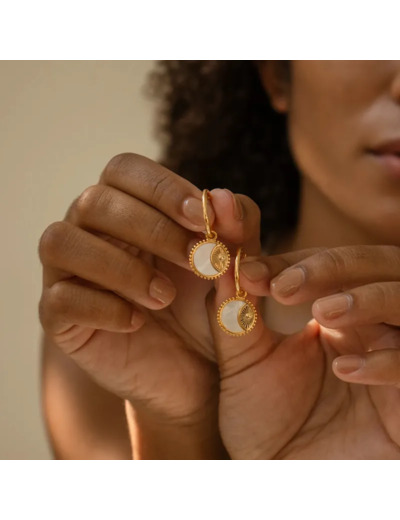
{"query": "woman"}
pixel 131 330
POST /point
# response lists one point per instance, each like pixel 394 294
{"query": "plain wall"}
pixel 60 123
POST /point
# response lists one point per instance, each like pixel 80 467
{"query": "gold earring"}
pixel 237 316
pixel 209 258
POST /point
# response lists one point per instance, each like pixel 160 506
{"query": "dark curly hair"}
pixel 218 129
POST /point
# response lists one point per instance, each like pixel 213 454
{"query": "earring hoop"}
pixel 209 258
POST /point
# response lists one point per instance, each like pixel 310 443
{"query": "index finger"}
pixel 335 270
pixel 157 186
pixel 298 276
pixel 257 271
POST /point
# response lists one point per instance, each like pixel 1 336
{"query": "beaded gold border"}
pixel 208 241
pixel 236 334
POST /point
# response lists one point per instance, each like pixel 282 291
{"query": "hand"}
pixel 119 298
pixel 280 397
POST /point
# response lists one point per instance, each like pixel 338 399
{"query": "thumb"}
pixel 236 353
pixel 237 220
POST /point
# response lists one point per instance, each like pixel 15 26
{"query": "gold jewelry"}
pixel 209 258
pixel 237 316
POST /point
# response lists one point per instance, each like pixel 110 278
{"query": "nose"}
pixel 395 87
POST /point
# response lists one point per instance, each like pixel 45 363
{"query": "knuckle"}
pixel 336 261
pixel 53 303
pixel 380 296
pixel 160 184
pixel 361 253
pixel 51 241
pixel 127 273
pixel 120 164
pixel 392 253
pixel 157 178
pixel 160 230
pixel 57 301
pixel 89 200
pixel 390 296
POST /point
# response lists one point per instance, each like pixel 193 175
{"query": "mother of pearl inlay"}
pixel 202 259
pixel 229 315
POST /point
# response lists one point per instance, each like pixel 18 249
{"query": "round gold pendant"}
pixel 237 316
pixel 209 259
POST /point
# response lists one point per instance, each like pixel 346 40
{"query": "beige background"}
pixel 60 122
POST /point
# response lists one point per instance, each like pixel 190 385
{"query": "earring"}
pixel 209 258
pixel 237 316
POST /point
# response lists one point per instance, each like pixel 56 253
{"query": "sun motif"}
pixel 219 258
pixel 246 317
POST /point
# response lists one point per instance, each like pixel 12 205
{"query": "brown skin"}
pixel 335 114
pixel 96 280
pixel 85 420
pixel 279 397
pixel 336 111
pixel 320 416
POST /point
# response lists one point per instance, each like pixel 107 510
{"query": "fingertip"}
pixel 137 320
pixel 161 289
pixel 254 270
pixel 238 209
pixel 348 366
pixel 236 220
pixel 254 277
pixel 223 202
pixel 192 210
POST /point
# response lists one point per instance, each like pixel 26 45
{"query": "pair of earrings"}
pixel 210 259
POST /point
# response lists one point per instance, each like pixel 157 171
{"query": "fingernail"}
pixel 348 364
pixel 334 306
pixel 289 282
pixel 193 210
pixel 237 205
pixel 162 290
pixel 137 319
pixel 254 271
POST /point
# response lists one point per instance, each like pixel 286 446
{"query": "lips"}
pixel 390 147
pixel 387 154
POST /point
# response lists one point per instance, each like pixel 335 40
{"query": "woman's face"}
pixel 344 131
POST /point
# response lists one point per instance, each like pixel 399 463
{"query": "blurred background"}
pixel 60 123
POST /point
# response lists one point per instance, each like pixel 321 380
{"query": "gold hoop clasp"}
pixel 209 258
pixel 205 198
pixel 239 292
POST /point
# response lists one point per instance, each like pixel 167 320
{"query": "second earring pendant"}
pixel 237 315
pixel 209 258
